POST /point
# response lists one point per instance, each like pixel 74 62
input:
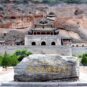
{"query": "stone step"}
pixel 44 84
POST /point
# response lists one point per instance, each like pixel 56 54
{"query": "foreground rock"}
pixel 38 67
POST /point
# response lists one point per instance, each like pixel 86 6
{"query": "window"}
pixel 13 17
pixel 82 45
pixel 72 45
pixel 43 43
pixel 76 45
pixel 53 43
pixel 33 43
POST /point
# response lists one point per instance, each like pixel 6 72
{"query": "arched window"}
pixel 72 45
pixel 33 43
pixel 76 45
pixel 83 45
pixel 53 43
pixel 43 43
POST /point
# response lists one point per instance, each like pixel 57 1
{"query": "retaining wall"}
pixel 61 50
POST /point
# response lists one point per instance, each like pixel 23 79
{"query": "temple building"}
pixel 45 34
pixel 51 16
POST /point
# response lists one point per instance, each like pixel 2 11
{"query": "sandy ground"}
pixel 7 75
pixel 83 74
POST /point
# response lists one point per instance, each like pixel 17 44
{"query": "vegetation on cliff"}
pixel 45 1
pixel 59 1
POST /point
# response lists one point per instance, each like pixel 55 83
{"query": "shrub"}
pixel 73 1
pixel 5 61
pixel 21 54
pixel 1 58
pixel 84 59
pixel 60 1
pixel 13 61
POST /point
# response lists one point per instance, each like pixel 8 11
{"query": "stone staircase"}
pixel 44 84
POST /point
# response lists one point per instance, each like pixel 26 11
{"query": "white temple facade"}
pixel 45 34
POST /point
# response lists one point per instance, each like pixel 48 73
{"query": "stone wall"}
pixel 79 50
pixel 61 50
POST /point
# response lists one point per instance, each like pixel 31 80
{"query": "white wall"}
pixel 39 38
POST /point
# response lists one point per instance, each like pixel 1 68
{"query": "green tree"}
pixel 13 61
pixel 5 60
pixel 84 59
pixel 1 58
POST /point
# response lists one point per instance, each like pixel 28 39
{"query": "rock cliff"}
pixel 71 18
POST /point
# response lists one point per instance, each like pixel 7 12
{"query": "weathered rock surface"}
pixel 42 67
pixel 71 18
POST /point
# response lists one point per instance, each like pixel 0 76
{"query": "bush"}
pixel 5 61
pixel 83 59
pixel 13 60
pixel 1 58
pixel 73 1
pixel 21 54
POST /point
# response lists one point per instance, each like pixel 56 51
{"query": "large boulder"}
pixel 44 67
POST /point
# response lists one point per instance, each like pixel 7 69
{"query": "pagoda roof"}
pixel 43 29
pixel 43 22
pixel 51 14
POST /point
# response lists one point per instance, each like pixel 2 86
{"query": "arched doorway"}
pixel 43 43
pixel 83 45
pixel 33 43
pixel 53 43
pixel 76 45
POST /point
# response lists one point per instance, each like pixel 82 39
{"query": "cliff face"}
pixel 73 27
pixel 71 19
